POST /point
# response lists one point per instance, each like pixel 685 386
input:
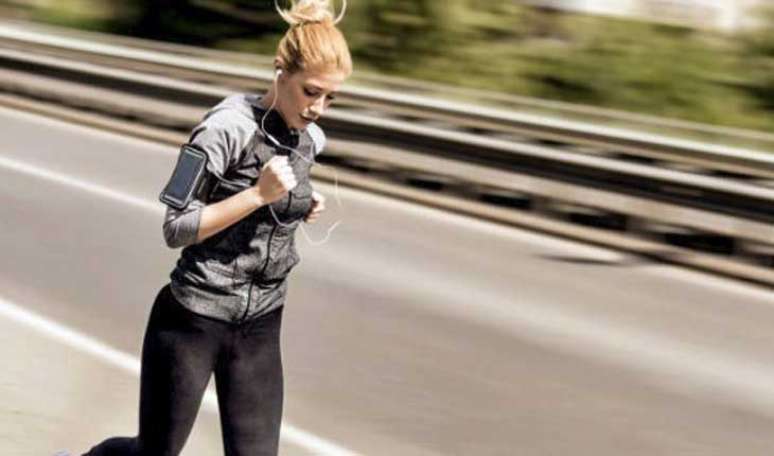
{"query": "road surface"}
pixel 411 332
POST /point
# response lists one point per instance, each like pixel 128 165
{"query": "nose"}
pixel 318 107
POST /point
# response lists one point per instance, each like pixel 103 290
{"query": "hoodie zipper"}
pixel 268 259
pixel 263 270
pixel 268 253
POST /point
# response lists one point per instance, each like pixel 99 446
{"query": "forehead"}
pixel 328 81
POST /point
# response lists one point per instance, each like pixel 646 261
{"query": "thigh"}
pixel 250 389
pixel 178 357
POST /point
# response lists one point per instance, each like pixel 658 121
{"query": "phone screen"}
pixel 185 175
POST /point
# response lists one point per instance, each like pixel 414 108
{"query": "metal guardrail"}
pixel 729 136
pixel 587 188
pixel 460 116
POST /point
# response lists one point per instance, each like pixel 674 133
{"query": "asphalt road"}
pixel 411 332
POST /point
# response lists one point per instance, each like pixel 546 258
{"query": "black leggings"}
pixel 180 351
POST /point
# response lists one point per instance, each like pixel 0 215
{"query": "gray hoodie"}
pixel 241 272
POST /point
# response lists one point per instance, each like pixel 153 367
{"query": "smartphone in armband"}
pixel 187 178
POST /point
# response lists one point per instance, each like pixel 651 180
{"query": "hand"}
pixel 276 180
pixel 318 205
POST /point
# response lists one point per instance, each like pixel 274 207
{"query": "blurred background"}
pixel 702 60
pixel 556 237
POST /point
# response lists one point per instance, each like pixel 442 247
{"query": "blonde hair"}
pixel 313 40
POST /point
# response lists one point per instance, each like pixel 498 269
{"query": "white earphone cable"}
pixel 310 161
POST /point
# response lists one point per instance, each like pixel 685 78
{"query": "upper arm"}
pixel 221 136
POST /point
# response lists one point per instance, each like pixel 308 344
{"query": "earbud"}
pixel 279 72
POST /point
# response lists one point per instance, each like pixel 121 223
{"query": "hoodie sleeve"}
pixel 318 138
pixel 221 136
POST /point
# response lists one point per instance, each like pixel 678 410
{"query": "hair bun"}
pixel 310 12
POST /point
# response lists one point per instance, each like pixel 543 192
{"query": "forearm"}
pixel 218 216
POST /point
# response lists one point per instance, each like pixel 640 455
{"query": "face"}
pixel 304 96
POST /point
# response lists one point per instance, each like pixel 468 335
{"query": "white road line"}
pixel 104 352
pixel 130 364
pixel 64 179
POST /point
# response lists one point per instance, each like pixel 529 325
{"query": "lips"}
pixel 307 120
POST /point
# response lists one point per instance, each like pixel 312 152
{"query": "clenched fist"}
pixel 276 180
pixel 318 205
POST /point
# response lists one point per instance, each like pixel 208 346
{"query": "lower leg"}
pixel 117 446
pixel 179 351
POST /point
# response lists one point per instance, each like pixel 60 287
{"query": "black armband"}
pixel 189 180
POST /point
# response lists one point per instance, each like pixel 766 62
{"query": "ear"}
pixel 278 66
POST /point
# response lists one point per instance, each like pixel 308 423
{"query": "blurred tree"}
pixel 401 33
pixel 499 45
pixel 202 22
pixel 668 71
pixel 547 22
pixel 758 59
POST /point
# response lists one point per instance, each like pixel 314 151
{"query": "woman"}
pixel 222 310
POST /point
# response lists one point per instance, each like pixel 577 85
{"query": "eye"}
pixel 331 97
pixel 309 93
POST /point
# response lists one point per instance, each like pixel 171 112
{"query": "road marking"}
pixel 64 179
pixel 130 364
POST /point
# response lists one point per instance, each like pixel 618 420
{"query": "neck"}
pixel 267 100
pixel 274 123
